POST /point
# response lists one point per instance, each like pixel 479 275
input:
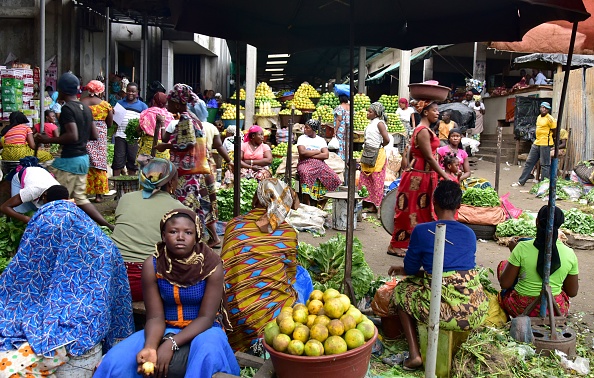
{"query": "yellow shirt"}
pixel 544 125
pixel 444 129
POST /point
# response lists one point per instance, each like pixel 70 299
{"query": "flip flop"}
pixel 396 253
pixel 406 368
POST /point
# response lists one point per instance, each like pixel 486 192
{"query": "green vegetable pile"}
pixel 589 197
pixel 481 197
pixel 325 264
pixel 110 147
pixel 132 131
pixel 566 189
pixel 363 192
pixel 579 222
pixel 225 199
pixel 275 164
pixel 523 226
pixel 10 237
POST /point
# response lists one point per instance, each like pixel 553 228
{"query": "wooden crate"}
pixel 265 368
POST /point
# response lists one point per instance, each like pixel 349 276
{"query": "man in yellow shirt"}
pixel 445 125
pixel 541 147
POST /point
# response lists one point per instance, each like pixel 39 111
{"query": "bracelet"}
pixel 174 347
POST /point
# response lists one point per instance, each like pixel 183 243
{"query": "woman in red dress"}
pixel 415 192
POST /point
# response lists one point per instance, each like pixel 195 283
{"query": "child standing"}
pixel 451 166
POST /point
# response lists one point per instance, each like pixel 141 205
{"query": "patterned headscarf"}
pixel 95 87
pixel 160 99
pixel 420 105
pixel 314 124
pixel 279 199
pixel 196 267
pixel 252 130
pixel 182 94
pixel 154 174
pixel 379 110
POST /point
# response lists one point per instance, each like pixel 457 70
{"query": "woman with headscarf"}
pixel 229 142
pixel 405 113
pixel 196 183
pixel 256 155
pixel 97 149
pixel 521 275
pixel 72 291
pixel 342 119
pixel 260 259
pixel 184 295
pixel 414 203
pixel 315 175
pixel 148 124
pixel 137 216
pixel 17 140
pixel 376 137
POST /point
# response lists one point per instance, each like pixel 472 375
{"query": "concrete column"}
pixel 362 69
pixel 167 64
pixel 480 61
pixel 428 69
pixel 251 62
pixel 404 74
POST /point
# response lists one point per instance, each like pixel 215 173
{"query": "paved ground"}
pixel 375 239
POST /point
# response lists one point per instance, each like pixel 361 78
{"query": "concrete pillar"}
pixel 404 74
pixel 250 84
pixel 362 69
pixel 480 61
pixel 428 69
pixel 167 64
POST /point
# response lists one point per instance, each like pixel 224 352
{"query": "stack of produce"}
pixel 225 199
pixel 578 222
pixel 231 113
pixel 227 105
pixel 357 154
pixel 265 94
pixel 265 109
pixel 360 120
pixel 325 113
pixel 523 226
pixel 288 112
pixel 389 102
pixel 241 94
pixel 394 123
pixel 477 197
pixel 306 90
pixel 361 102
pixel 12 91
pixel 327 325
pixel 330 99
pixel 280 149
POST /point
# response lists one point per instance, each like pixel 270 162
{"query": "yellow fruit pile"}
pixel 231 113
pixel 226 105
pixel 327 324
pixel 264 91
pixel 306 90
pixel 241 94
pixel 360 120
pixel 288 112
pixel 325 113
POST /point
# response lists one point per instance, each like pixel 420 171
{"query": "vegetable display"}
pixel 579 222
pixel 132 131
pixel 481 197
pixel 325 264
pixel 225 199
pixel 11 233
pixel 566 189
pixel 276 162
pixel 517 227
pixel 110 147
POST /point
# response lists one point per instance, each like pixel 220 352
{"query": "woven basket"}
pixel 585 170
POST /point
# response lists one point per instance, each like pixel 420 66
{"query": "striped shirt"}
pixel 133 110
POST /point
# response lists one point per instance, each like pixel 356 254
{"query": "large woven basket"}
pixel 585 171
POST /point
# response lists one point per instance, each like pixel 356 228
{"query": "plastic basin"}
pixel 350 364
pixel 212 114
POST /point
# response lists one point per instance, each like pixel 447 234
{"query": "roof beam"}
pixel 18 12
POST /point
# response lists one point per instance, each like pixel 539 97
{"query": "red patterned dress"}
pixel 414 202
pixel 97 149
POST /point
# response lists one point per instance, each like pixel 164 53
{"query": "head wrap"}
pixel 254 129
pixel 68 84
pixel 279 199
pixel 455 130
pixel 95 87
pixel 182 94
pixel 218 95
pixel 540 240
pixel 190 270
pixel 160 99
pixel 14 119
pixel 154 174
pixel 420 105
pixel 546 105
pixel 403 101
pixel 379 110
pixel 231 129
pixel 314 124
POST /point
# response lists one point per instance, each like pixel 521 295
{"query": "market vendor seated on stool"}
pixel 315 175
pixel 255 155
pixel 520 276
pixel 464 304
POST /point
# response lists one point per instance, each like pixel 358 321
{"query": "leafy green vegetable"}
pixel 248 188
pixel 11 232
pixel 516 227
pixel 325 264
pixel 589 197
pixel 276 162
pixel 110 148
pixel 363 192
pixel 565 189
pixel 477 197
pixel 132 131
pixel 579 222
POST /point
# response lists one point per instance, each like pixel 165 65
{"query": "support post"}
pixel 107 46
pixel 250 84
pixel 428 69
pixel 436 276
pixel 404 74
pixel 498 157
pixel 145 44
pixel 237 147
pixel 41 67
pixel 362 69
pixel 289 162
pixel 480 61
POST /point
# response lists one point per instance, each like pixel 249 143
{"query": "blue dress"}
pixel 210 351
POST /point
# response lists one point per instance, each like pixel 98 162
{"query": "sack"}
pixel 369 155
pixel 381 301
pixel 486 216
pixel 333 144
pixel 179 361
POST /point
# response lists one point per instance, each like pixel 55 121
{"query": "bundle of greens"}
pixel 326 265
pixel 565 189
pixel 11 233
pixel 225 199
pixel 110 147
pixel 133 131
pixel 579 222
pixel 275 164
pixel 481 197
pixel 523 226
pixel 589 197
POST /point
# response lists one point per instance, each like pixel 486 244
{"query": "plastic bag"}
pixel 342 89
pixel 308 218
pixel 303 284
pixel 333 144
pixel 513 211
pixel 381 301
pixel 580 365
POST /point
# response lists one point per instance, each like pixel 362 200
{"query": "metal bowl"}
pixel 424 91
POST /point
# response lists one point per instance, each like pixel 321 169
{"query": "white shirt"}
pixel 373 137
pixel 210 131
pixel 405 114
pixel 312 144
pixel 471 104
pixel 34 183
pixel 540 79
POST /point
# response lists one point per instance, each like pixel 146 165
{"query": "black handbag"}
pixel 179 361
pixel 369 155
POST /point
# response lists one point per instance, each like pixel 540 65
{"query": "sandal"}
pixel 398 252
pixel 408 368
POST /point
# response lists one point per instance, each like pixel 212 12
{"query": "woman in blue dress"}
pixel 183 285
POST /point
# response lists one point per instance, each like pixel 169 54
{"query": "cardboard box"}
pixel 8 107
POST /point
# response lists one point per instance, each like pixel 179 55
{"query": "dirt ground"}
pixel 375 239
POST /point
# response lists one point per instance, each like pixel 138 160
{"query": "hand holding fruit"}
pixel 164 353
pixel 146 360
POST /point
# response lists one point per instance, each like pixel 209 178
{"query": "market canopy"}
pixel 379 77
pixel 550 61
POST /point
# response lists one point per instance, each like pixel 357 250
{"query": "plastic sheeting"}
pixel 545 61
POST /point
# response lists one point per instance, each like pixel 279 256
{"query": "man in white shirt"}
pixel 538 78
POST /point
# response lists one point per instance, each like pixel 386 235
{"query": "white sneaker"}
pixel 517 183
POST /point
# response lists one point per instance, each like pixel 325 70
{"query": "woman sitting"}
pixel 17 140
pixel 260 259
pixel 148 125
pixel 186 317
pixel 464 304
pixel 72 291
pixel 255 155
pixel 521 275
pixel 315 175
